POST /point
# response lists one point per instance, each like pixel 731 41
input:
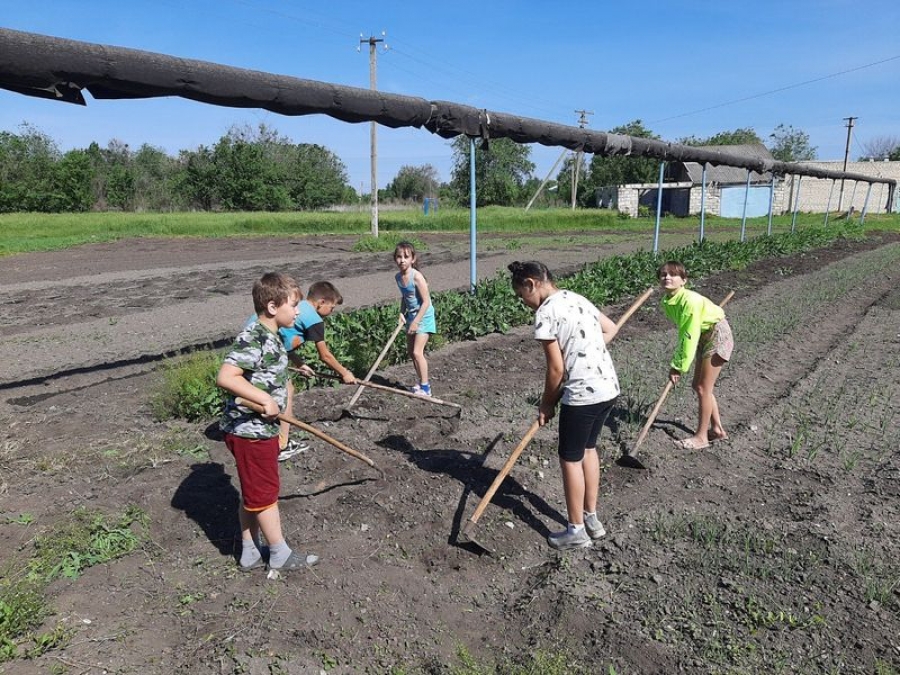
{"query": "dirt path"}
pixel 102 307
pixel 773 552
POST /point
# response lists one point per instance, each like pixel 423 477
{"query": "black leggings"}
pixel 579 428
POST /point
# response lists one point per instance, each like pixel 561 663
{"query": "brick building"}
pixel 726 190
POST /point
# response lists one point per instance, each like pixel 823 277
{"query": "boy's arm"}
pixel 300 364
pixel 231 379
pixel 331 361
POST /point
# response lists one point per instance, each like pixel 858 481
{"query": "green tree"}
pixel 620 170
pixel 790 145
pixel 247 177
pixel 318 178
pixel 73 182
pixel 153 173
pixel 414 183
pixel 27 170
pixel 194 181
pixel 501 171
pixel 743 136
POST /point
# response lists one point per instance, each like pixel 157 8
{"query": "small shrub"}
pixel 188 388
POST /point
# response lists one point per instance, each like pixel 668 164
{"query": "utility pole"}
pixel 373 41
pixel 582 121
pixel 850 121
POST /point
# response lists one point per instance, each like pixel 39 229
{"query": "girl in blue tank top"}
pixel 416 310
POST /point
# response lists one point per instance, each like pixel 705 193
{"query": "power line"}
pixel 432 63
pixel 776 91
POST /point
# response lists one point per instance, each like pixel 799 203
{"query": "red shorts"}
pixel 257 468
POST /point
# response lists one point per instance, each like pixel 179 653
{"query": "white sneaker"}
pixel 593 526
pixel 292 449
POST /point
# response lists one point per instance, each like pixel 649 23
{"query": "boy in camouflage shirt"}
pixel 255 369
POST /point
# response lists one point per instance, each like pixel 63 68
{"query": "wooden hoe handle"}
pixel 311 429
pixel 375 365
pixel 526 439
pixel 634 307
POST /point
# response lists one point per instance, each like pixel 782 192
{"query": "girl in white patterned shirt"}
pixel 580 374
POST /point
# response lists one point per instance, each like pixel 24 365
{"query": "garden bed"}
pixel 772 552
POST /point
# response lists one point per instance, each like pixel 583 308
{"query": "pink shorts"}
pixel 257 468
pixel 716 340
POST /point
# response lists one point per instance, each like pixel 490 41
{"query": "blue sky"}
pixel 683 67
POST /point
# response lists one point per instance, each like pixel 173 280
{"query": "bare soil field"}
pixel 775 551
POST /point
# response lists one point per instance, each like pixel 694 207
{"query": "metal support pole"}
pixel 796 205
pixel 828 205
pixel 473 274
pixel 852 197
pixel 702 202
pixel 549 173
pixel 744 217
pixel 662 170
pixel 862 215
pixel 771 205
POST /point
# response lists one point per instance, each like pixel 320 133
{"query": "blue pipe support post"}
pixel 703 202
pixel 771 205
pixel 862 215
pixel 828 204
pixel 796 205
pixel 473 273
pixel 662 169
pixel 744 217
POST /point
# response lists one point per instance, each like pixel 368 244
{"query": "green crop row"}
pixel 357 337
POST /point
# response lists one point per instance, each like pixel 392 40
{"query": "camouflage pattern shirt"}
pixel 261 355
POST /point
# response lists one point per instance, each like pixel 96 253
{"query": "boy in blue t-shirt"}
pixel 309 326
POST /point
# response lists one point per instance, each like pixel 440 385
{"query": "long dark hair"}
pixel 531 269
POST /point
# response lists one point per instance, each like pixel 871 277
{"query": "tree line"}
pixel 257 169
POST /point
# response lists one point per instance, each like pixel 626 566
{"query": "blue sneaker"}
pixel 422 389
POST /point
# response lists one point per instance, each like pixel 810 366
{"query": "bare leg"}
pixel 415 345
pixel 716 430
pixel 573 475
pixel 269 521
pixel 706 373
pixel 591 469
pixel 249 524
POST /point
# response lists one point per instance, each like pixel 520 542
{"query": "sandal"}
pixel 691 444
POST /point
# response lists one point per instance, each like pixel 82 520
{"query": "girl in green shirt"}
pixel 704 334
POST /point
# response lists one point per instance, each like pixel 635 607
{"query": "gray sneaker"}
pixel 593 526
pixel 567 540
pixel 296 561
